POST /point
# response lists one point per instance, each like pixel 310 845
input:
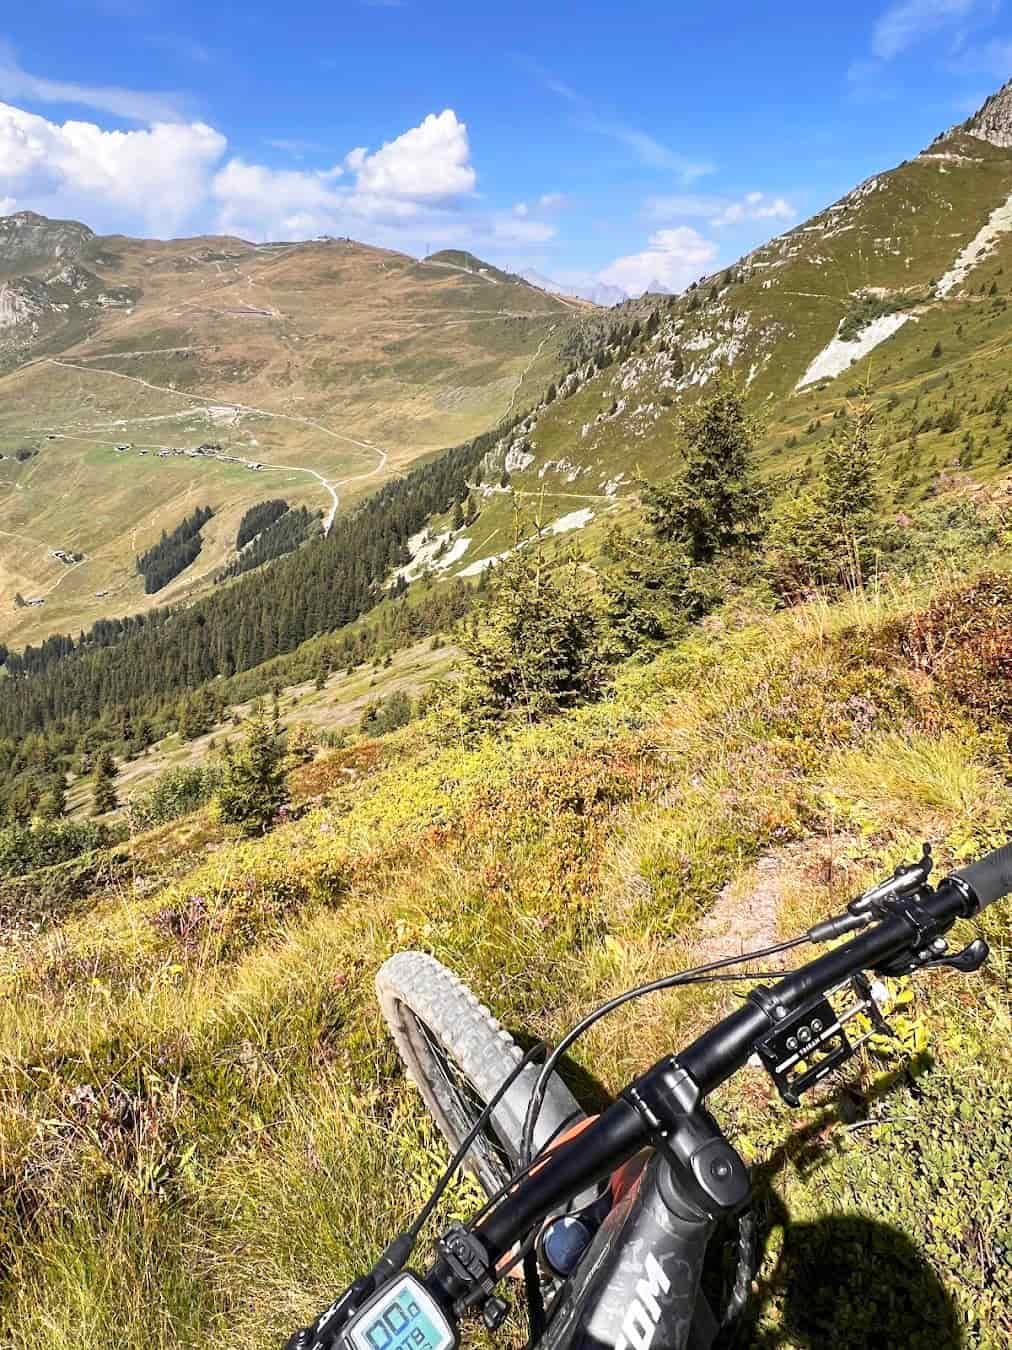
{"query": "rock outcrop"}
pixel 21 301
pixel 993 122
pixel 30 242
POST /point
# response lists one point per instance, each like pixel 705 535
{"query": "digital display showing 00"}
pixel 401 1317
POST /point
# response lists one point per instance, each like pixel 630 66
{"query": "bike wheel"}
pixel 458 1056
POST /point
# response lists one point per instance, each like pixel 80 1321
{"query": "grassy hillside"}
pixel 888 250
pixel 337 708
pixel 329 358
pixel 204 1129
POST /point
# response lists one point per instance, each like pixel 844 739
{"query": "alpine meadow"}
pixel 362 601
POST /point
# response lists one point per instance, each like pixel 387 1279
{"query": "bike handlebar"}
pixel 990 877
pixel 620 1131
pixel 910 924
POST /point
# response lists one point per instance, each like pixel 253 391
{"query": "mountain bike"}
pixel 608 1218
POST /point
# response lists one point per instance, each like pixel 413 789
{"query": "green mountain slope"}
pixel 331 364
pixel 204 1129
pixel 205 1132
pixel 901 287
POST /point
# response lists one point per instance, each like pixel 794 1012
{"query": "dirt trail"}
pixel 526 370
pixel 745 916
pixel 149 351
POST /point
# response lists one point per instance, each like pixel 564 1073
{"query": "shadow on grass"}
pixel 843 1280
pixel 850 1281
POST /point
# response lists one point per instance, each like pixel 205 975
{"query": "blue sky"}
pixel 625 142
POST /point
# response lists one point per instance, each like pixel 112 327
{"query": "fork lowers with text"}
pixel 608 1218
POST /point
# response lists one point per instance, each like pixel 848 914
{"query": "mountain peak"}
pixel 29 241
pixel 462 261
pixel 34 220
pixel 993 121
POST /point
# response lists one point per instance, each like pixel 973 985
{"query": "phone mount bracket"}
pixel 804 1046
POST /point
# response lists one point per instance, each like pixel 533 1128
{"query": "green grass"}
pixel 212 1131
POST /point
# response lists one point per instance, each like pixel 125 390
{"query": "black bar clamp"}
pixel 711 1170
pixel 802 1047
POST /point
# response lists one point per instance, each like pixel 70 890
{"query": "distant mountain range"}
pixel 344 363
pixel 598 293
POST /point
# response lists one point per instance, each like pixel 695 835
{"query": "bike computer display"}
pixel 403 1315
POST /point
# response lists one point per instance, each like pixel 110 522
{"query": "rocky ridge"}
pixel 993 121
pixel 30 242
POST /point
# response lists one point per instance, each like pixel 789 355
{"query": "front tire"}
pixel 458 1056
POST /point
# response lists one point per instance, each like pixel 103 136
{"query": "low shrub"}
pixel 964 639
pixel 175 794
pixel 25 848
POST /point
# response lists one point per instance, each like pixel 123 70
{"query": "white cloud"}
pixel 754 206
pixel 720 211
pixel 156 177
pixel 272 203
pixel 686 204
pixel 7 205
pixel 412 182
pixel 905 23
pixel 651 152
pixel 548 201
pixel 416 189
pixel 646 148
pixel 431 162
pixel 128 104
pixel 672 257
pixel 518 230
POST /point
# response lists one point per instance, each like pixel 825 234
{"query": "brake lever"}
pixel 877 902
pixel 968 961
pixel 907 879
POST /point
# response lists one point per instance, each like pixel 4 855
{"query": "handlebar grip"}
pixel 990 877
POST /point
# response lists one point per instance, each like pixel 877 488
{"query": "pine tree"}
pixel 104 788
pixel 457 523
pixel 825 536
pixel 53 802
pixel 194 716
pixel 647 584
pixel 850 470
pixel 537 646
pixel 253 779
pixel 716 502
